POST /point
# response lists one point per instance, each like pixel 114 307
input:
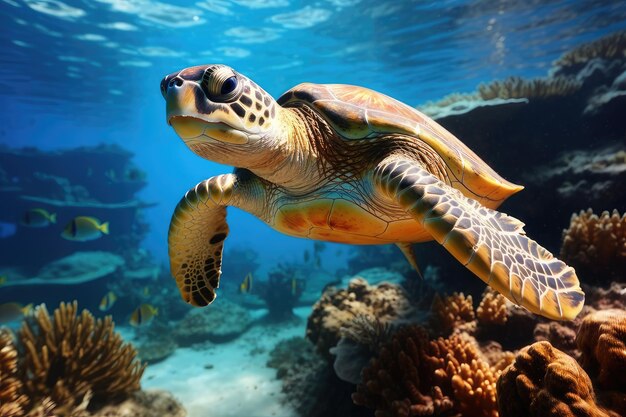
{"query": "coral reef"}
pixel 604 299
pixel 543 381
pixel 336 308
pixel 492 310
pixel 12 400
pixel 452 313
pixel 602 341
pixel 596 246
pixel 610 47
pixel 70 357
pixel 415 376
pixel 99 181
pixel 220 323
pixel 516 87
pixel 281 291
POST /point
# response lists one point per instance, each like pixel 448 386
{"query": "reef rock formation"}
pixel 596 246
pixel 69 358
pixel 152 403
pixel 220 323
pixel 543 381
pixel 336 308
pixel 602 341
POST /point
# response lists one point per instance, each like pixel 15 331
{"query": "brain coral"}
pixel 602 341
pixel 336 308
pixel 543 382
pixel 596 246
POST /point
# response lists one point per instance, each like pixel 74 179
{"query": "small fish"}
pixel 3 280
pixel 84 228
pixel 294 286
pixel 146 291
pixel 38 217
pixel 13 311
pixel 246 285
pixel 107 301
pixel 143 315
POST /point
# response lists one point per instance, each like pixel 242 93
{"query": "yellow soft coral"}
pixel 70 357
pixel 12 401
pixel 596 245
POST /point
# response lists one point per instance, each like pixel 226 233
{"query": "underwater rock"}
pixel 155 349
pixel 309 384
pixel 77 268
pixel 12 399
pixel 220 323
pixel 602 341
pixel 284 286
pixel 543 381
pixel 596 246
pixel 337 307
pixel 151 403
pixel 70 357
pixel 603 299
pixel 376 275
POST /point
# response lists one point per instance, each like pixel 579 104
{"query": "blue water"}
pixel 88 72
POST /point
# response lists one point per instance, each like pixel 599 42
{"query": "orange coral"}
pixel 12 401
pixel 452 312
pixel 602 341
pixel 336 308
pixel 596 245
pixel 492 309
pixel 414 376
pixel 543 381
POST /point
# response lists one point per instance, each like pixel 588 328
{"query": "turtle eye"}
pixel 229 85
pixel 220 83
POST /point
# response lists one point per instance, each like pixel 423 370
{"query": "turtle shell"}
pixel 358 113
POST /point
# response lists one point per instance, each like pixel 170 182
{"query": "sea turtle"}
pixel 342 163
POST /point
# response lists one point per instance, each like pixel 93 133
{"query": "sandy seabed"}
pixel 229 379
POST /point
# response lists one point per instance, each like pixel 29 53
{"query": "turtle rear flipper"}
pixel 489 243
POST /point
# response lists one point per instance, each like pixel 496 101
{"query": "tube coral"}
pixel 452 312
pixel 70 357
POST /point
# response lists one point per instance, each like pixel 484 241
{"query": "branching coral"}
pixel 69 356
pixel 543 381
pixel 609 47
pixel 12 400
pixel 413 376
pixel 336 308
pixel 516 87
pixel 596 245
pixel 452 312
pixel 492 310
pixel 602 341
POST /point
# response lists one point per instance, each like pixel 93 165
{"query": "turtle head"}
pixel 213 105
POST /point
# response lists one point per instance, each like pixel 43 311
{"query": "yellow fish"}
pixel 107 301
pixel 13 311
pixel 146 291
pixel 246 286
pixel 143 315
pixel 38 217
pixel 84 228
pixel 294 286
pixel 3 280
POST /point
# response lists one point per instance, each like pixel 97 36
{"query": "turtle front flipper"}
pixel 489 243
pixel 197 232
